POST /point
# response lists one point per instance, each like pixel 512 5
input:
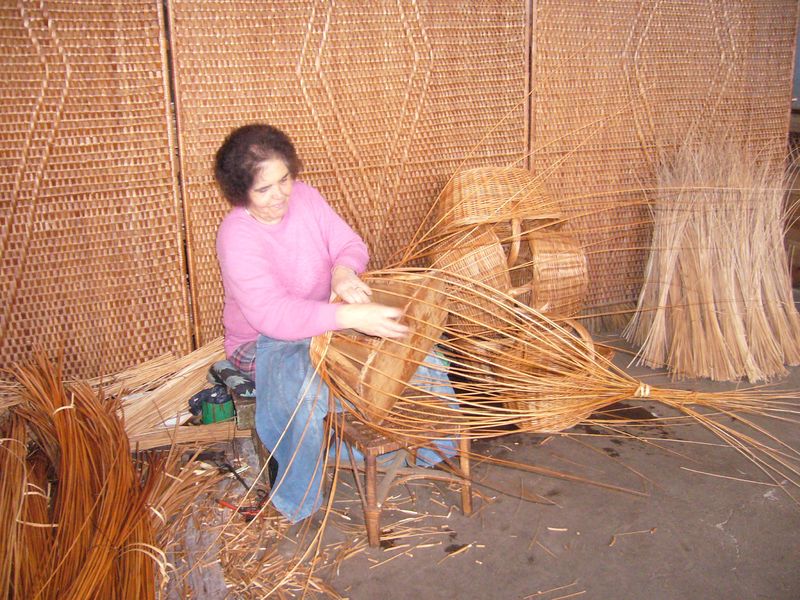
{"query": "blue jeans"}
pixel 291 405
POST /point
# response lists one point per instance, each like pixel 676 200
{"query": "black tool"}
pixel 248 512
pixel 229 468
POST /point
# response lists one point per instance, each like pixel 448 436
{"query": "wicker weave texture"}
pixel 560 278
pixel 491 195
pixel 384 100
pixel 617 83
pixel 474 256
pixel 91 251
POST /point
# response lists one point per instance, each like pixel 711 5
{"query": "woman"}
pixel 282 252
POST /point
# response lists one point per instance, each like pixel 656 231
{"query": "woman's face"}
pixel 268 198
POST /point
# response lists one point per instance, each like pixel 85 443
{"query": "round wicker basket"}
pixel 475 257
pixel 560 278
pixel 493 194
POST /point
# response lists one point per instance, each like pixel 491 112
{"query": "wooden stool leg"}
pixel 372 513
pixel 466 482
pixel 388 478
pixel 263 455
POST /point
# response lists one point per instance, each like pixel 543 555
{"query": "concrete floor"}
pixel 688 535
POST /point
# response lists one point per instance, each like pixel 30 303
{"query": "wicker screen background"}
pixel 89 222
pixel 614 82
pixel 383 99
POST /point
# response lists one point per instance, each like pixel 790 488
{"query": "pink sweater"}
pixel 277 278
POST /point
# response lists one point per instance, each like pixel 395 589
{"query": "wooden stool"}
pixel 372 444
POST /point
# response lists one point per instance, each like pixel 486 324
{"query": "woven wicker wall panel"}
pixel 617 83
pixel 384 100
pixel 91 252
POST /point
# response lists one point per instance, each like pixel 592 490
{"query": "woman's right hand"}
pixel 373 319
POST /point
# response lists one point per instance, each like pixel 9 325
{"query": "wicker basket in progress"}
pixel 501 359
pixel 372 372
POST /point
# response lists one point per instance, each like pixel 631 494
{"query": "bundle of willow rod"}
pixel 93 530
pixel 156 395
pixel 717 299
pixel 540 374
pixel 155 398
pixel 79 516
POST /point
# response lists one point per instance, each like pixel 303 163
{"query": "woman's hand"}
pixel 346 284
pixel 372 319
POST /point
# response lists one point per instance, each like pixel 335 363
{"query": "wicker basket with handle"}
pixel 492 195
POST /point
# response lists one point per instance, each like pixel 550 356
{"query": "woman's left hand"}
pixel 346 284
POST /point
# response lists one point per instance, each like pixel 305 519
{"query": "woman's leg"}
pixel 291 405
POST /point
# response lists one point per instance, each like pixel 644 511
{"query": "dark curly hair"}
pixel 237 160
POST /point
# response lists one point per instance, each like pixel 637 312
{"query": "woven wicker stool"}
pixel 372 444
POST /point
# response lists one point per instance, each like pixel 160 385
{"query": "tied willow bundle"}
pixel 717 299
pixel 154 398
pixel 543 375
pixel 511 362
pixel 81 525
